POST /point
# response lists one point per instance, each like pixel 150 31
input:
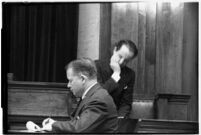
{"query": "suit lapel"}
pixel 87 97
pixel 75 110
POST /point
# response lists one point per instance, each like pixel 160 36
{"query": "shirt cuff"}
pixel 116 77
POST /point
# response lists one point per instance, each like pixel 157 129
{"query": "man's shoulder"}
pixel 101 90
pixel 128 70
pixel 102 95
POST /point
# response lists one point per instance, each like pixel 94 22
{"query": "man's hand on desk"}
pixel 47 124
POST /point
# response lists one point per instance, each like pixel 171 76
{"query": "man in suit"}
pixel 117 78
pixel 96 113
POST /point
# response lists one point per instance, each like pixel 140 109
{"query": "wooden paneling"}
pixel 190 57
pixel 105 32
pixel 150 47
pixel 172 106
pixel 29 99
pixel 166 35
pixel 169 48
pixel 141 46
pixel 142 108
pixel 153 126
pixel 137 22
pixel 166 126
pixel 124 25
pixel 36 101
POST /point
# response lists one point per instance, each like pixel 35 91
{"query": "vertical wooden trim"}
pixel 190 58
pixel 141 47
pixel 105 32
pixel 158 75
pixel 150 53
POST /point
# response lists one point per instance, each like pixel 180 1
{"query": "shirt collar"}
pixel 84 94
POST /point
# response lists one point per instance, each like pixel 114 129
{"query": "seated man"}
pixel 96 113
pixel 117 78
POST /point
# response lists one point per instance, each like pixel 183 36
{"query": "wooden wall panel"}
pixel 150 47
pixel 105 32
pixel 167 39
pixel 124 25
pixel 190 58
pixel 140 81
pixel 37 102
pixel 169 48
pixel 39 99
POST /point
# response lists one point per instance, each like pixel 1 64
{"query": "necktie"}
pixel 78 103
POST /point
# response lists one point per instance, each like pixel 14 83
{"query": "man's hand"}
pixel 115 67
pixel 47 124
pixel 114 64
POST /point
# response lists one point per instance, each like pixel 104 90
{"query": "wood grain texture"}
pixel 166 126
pixel 150 54
pixel 169 47
pixel 124 25
pixel 190 58
pixel 166 35
pixel 31 99
pixel 153 126
pixel 141 47
pixel 172 106
pixel 105 32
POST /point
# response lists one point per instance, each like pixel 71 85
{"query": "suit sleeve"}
pixel 110 85
pixel 90 117
pixel 126 101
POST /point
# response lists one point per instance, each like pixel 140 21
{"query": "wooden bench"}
pixel 143 108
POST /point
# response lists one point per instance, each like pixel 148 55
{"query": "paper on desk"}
pixel 31 126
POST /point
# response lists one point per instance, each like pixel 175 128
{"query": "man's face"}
pixel 75 83
pixel 122 56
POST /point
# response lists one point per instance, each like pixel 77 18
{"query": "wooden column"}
pixel 88 31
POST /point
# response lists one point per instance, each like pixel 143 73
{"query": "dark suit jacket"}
pixel 96 113
pixel 122 92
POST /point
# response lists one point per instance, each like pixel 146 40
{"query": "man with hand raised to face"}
pixel 96 112
pixel 117 78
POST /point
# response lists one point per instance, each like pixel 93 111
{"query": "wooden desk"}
pixel 25 132
pixel 147 126
pixel 157 126
pixel 35 101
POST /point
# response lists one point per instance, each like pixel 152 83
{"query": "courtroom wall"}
pixel 167 38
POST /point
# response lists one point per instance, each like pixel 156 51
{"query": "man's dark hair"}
pixel 131 46
pixel 85 66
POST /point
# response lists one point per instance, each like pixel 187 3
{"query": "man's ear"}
pixel 84 77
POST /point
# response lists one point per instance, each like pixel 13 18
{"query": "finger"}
pixel 37 127
pixel 45 121
pixel 46 128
